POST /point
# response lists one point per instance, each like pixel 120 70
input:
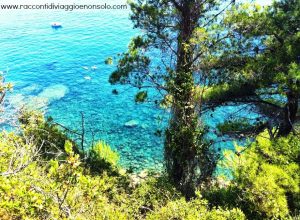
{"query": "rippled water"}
pixel 51 69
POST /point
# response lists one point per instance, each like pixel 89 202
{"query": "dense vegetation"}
pixel 43 180
pixel 218 54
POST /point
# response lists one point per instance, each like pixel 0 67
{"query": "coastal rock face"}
pixel 131 124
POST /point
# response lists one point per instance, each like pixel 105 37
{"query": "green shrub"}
pixel 101 157
pixel 44 132
pixel 194 210
pixel 57 189
pixel 238 126
pixel 149 195
pixel 266 179
pixel 264 183
pixel 62 189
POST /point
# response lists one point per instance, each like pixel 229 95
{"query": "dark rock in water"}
pixel 115 92
pixel 131 124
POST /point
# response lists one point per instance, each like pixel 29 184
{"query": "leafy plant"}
pixel 265 180
pixel 101 157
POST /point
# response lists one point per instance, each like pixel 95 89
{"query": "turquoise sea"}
pixel 51 69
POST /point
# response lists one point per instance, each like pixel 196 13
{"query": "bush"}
pixel 149 195
pixel 265 179
pixel 44 132
pixel 101 157
pixel 194 210
pixel 264 182
pixel 57 189
pixel 61 188
pixel 51 138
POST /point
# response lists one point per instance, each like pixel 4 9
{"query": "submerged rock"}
pixel 37 102
pixel 131 124
pixel 17 100
pixel 32 102
pixel 144 126
pixel 53 93
pixel 31 89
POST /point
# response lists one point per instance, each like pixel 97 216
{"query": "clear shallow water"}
pixel 49 70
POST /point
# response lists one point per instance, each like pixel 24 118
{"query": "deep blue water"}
pixel 51 70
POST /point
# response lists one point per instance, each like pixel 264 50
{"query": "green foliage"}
pixel 141 96
pixel 264 184
pixel 101 157
pixel 240 126
pixel 44 132
pixel 194 210
pixel 56 189
pixel 227 92
pixel 265 180
pixel 4 87
pixel 232 126
pixel 132 65
pixel 33 188
pixel 166 102
pixel 68 147
pixel 17 198
pixel 109 61
pixel 292 79
pixel 151 194
pixel 261 62
pixel 44 176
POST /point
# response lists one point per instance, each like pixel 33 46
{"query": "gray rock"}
pixel 131 124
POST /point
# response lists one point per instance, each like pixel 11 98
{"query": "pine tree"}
pixel 180 33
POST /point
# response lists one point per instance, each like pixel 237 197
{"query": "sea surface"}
pixel 51 70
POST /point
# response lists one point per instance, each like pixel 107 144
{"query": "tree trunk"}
pixel 289 115
pixel 181 136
